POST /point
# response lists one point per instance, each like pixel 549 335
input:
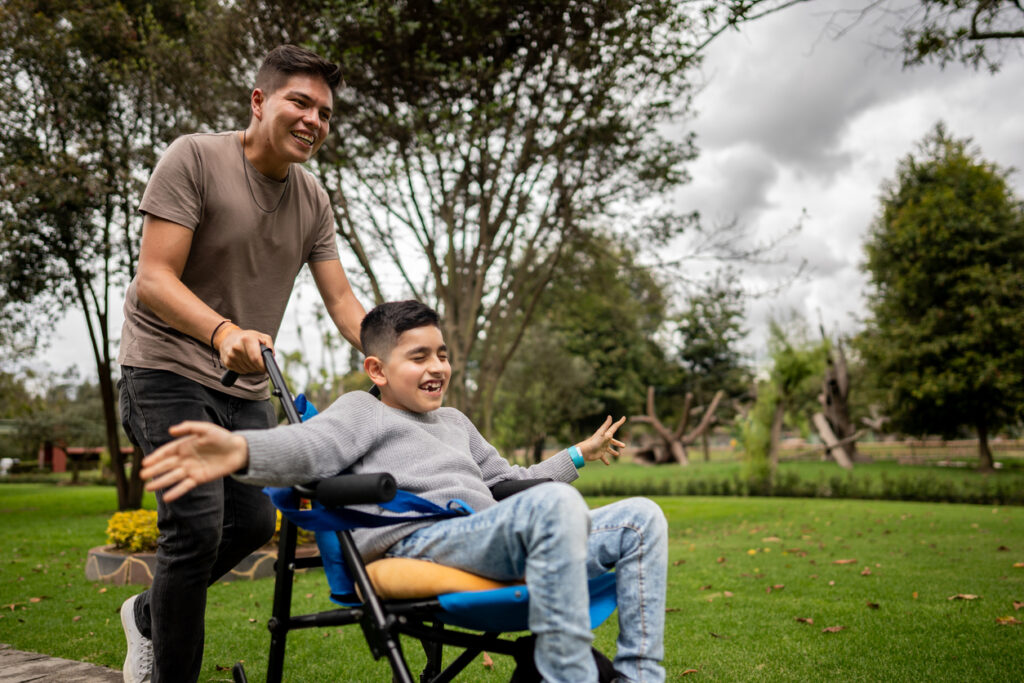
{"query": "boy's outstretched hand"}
pixel 603 442
pixel 203 453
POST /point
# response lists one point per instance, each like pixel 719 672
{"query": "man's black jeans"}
pixel 203 534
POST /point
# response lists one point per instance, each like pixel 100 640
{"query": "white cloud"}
pixel 830 118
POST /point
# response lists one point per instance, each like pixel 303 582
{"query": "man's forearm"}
pixel 175 304
pixel 347 314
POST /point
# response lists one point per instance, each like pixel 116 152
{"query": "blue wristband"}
pixel 577 457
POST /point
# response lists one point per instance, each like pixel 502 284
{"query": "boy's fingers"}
pixel 179 490
pixel 167 478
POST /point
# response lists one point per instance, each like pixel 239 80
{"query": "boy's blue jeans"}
pixel 204 534
pixel 548 535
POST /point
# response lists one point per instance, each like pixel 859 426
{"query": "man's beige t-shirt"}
pixel 252 236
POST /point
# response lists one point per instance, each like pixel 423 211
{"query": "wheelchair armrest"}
pixel 510 487
pixel 350 489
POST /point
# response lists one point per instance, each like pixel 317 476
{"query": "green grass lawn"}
pixel 743 574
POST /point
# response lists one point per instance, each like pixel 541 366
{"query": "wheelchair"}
pixel 459 609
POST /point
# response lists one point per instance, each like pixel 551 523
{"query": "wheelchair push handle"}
pixel 280 388
pixel 229 377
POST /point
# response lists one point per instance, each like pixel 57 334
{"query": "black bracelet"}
pixel 214 333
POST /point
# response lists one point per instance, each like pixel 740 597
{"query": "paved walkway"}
pixel 21 667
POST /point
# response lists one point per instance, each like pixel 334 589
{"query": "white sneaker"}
pixel 138 664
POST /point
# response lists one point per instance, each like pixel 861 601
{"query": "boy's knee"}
pixel 561 503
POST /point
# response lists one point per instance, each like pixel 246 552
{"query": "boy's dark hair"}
pixel 382 326
pixel 284 61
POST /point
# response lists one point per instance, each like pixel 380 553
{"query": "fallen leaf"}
pixel 727 594
pixel 779 586
pixel 963 596
pixel 1017 605
pixel 831 583
pixel 35 599
pixel 833 629
pixel 915 595
pixel 103 590
pixel 720 560
pixel 678 562
pixel 706 588
pixel 488 662
pixel 805 620
pixel 673 609
pixel 715 635
pixel 865 572
pixel 1008 621
pixel 844 561
pixel 77 617
pixel 252 620
pixel 1002 548
pixel 220 667
pixel 753 551
pixel 309 596
pixel 873 605
pixel 771 539
pixel 1018 565
pixel 689 671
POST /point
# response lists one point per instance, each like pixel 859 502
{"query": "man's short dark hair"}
pixel 284 61
pixel 382 326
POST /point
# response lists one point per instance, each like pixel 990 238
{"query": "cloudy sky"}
pixel 796 125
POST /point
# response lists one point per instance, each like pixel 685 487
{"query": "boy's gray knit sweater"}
pixel 438 455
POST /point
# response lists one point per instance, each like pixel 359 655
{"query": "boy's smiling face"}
pixel 415 375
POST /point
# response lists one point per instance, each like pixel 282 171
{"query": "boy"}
pixel 545 534
pixel 229 220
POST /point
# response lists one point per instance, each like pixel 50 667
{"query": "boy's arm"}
pixel 202 453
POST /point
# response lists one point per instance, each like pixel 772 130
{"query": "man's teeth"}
pixel 305 138
pixel 432 386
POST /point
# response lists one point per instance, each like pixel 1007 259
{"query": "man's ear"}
pixel 374 368
pixel 256 102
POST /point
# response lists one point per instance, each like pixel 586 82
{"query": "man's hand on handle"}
pixel 240 349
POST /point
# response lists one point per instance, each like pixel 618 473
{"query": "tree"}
pixel 709 331
pixel 976 33
pixel 481 140
pixel 591 350
pixel 789 392
pixel 92 89
pixel 946 264
pixel 973 32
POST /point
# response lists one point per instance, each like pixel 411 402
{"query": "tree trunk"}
pixel 705 443
pixel 776 434
pixel 538 450
pixel 985 461
pixel 832 445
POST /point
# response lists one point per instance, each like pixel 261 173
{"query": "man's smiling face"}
pixel 417 371
pixel 295 121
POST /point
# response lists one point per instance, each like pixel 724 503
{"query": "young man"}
pixel 229 220
pixel 545 535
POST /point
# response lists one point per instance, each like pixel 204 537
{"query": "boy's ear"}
pixel 374 368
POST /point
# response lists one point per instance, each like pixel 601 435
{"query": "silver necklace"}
pixel 245 167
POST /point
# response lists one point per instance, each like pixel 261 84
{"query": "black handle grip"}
pixel 351 489
pixel 229 377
